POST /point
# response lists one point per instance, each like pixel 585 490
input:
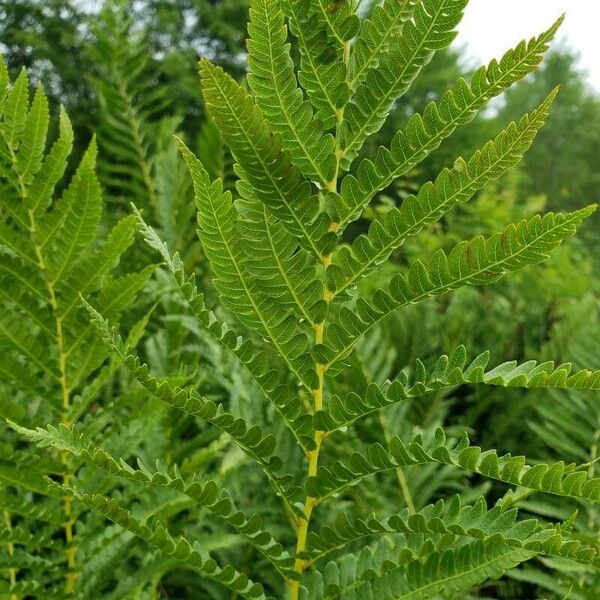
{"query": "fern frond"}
pixel 341 22
pixel 33 142
pixel 26 277
pixel 79 225
pixel 131 105
pixel 444 571
pixel 137 582
pixel 450 371
pixel 265 172
pixel 17 244
pixel 269 243
pixel 29 309
pixel 217 220
pixel 84 350
pixel 434 199
pixel 25 344
pixel 180 549
pixel 51 222
pixel 254 359
pixel 323 80
pixel 451 518
pixel 206 493
pixel 557 478
pixel 40 511
pixel 33 481
pixel 53 168
pixel 89 274
pixel 15 110
pixel 273 81
pixel 258 445
pixel 480 261
pixel 377 33
pixel 277 266
pixel 13 370
pixel 431 28
pixel 424 133
pixel 24 537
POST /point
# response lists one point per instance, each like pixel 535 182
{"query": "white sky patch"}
pixel 490 27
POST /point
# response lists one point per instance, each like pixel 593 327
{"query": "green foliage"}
pixel 50 255
pixel 303 393
pixel 130 104
pixel 430 28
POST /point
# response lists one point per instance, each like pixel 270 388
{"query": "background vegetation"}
pixel 126 71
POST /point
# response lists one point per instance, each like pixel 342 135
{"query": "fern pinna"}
pixel 284 269
pixel 50 255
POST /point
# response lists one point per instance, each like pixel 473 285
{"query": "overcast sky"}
pixel 492 26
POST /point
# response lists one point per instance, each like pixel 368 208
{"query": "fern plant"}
pixel 285 272
pixel 51 253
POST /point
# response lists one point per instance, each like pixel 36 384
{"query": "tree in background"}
pixel 51 38
pixel 48 38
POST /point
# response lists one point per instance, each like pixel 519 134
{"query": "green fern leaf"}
pixel 79 227
pixel 17 244
pixel 83 349
pixel 131 105
pixel 444 571
pixel 89 274
pixel 53 168
pixel 25 344
pixel 450 371
pixel 48 224
pixel 217 219
pixel 28 307
pixel 31 148
pixel 273 81
pixel 434 199
pixel 265 172
pixel 338 17
pixel 322 77
pixel 376 35
pixel 254 359
pixel 452 519
pixel 279 268
pixel 186 553
pixel 423 134
pixel 480 261
pixel 15 111
pixel 23 506
pixel 206 494
pixel 251 439
pixel 432 28
pixel 557 478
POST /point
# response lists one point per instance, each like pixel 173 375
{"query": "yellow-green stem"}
pixel 318 393
pixel 12 572
pixel 65 396
pixel 313 463
pixel 402 481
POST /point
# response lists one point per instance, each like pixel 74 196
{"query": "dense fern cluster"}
pixel 51 257
pixel 319 425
